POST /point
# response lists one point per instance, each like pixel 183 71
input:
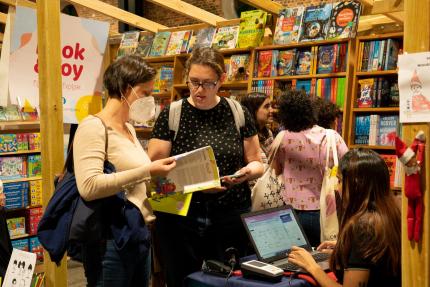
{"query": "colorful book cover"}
pixel 35 192
pixel 365 99
pixel 129 43
pixel 287 62
pixel 304 62
pixel 8 143
pixel 326 59
pixel 159 45
pixel 251 28
pixel 264 63
pixel 201 38
pixel 288 25
pixel 225 37
pixel 305 85
pixel 362 129
pixel 145 43
pixel 238 68
pixel 315 22
pixel 388 126
pixel 177 40
pixel 34 164
pixel 344 20
pixel 12 167
pixel 391 161
pixel 34 141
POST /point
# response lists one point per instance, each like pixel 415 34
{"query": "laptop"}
pixel 273 232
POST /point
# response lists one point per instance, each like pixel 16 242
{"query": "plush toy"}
pixel 412 157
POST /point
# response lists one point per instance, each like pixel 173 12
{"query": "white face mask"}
pixel 142 110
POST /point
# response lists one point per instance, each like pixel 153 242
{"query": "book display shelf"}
pixel 21 174
pixel 374 115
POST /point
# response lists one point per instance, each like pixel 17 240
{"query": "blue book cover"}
pixel 326 59
pixel 304 85
pixel 304 62
pixel 316 21
pixel 362 129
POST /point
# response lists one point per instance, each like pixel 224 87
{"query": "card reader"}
pixel 261 271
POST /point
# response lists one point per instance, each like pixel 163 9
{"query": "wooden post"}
pixel 415 256
pixel 51 114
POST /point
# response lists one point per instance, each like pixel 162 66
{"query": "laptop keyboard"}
pixel 319 257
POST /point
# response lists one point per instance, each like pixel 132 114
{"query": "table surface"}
pixel 200 279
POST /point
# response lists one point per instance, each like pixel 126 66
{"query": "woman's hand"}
pixel 327 246
pixel 301 257
pixel 162 167
pixel 2 199
pixel 243 175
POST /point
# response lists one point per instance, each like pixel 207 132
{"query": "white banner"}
pixel 414 87
pixel 83 44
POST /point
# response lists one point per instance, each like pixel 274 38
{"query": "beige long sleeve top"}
pixel 130 160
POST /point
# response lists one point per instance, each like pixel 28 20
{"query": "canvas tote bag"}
pixel 328 215
pixel 267 191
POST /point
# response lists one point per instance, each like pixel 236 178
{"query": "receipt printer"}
pixel 261 271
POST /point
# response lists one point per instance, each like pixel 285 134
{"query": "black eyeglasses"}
pixel 194 85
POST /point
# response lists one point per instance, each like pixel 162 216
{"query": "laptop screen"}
pixel 274 231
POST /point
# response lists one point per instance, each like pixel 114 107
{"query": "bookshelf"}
pixel 374 120
pixel 282 82
pixel 23 191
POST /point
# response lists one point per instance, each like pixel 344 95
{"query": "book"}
pixel 129 43
pixel 13 113
pixel 326 59
pixel 362 129
pixel 159 44
pixel 286 64
pixel 344 20
pixel 201 38
pixel 178 42
pixel 264 67
pixel 238 67
pixel 13 167
pixel 8 143
pixel 364 99
pixel 225 37
pixel 34 165
pixel 144 45
pixel 388 126
pixel 391 162
pixel 304 62
pixel 315 22
pixel 251 28
pixel 288 25
pixel 195 171
pixel 305 85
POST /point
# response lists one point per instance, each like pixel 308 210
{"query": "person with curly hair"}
pixel 326 112
pixel 301 159
pixel 368 248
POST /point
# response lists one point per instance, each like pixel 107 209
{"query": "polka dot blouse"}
pixel 216 128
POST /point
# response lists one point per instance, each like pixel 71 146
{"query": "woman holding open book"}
pixel 213 221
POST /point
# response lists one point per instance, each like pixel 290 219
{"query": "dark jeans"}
pixel 310 221
pixel 104 267
pixel 203 234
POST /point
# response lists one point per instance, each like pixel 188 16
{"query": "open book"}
pixel 195 171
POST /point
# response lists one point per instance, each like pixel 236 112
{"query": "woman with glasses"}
pixel 213 221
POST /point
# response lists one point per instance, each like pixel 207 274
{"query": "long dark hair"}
pixel 369 216
pixel 253 102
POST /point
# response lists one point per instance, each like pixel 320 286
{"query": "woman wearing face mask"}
pixel 129 82
pixel 213 221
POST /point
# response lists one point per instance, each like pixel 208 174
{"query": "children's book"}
pixel 226 37
pixel 195 171
pixel 129 43
pixel 264 67
pixel 159 45
pixel 238 68
pixel 12 167
pixel 344 20
pixel 201 38
pixel 315 22
pixel 304 62
pixel 20 269
pixel 8 143
pixel 288 25
pixel 287 62
pixel 326 59
pixel 178 40
pixel 251 28
pixel 145 43
pixel 365 97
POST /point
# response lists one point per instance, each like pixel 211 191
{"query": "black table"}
pixel 200 279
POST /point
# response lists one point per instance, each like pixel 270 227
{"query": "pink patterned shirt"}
pixel 302 158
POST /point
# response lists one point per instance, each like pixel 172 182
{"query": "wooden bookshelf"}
pixel 376 110
pixel 22 179
pixel 375 147
pixel 20 152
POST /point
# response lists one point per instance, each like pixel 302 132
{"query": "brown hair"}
pixel 129 70
pixel 369 217
pixel 207 57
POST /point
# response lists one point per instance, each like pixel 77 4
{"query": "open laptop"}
pixel 273 232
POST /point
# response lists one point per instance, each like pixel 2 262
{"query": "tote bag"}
pixel 267 191
pixel 328 215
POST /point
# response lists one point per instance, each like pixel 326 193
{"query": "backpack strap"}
pixel 175 116
pixel 238 114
